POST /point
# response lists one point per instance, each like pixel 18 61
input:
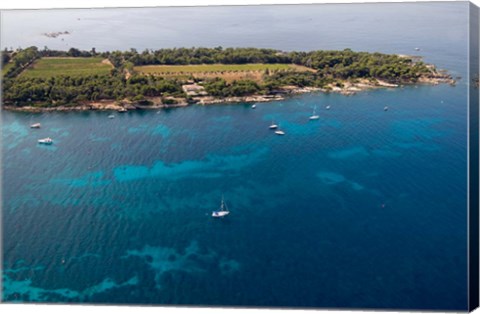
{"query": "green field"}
pixel 51 67
pixel 202 68
pixel 6 67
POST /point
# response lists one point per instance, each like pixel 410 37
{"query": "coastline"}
pixel 222 82
pixel 348 89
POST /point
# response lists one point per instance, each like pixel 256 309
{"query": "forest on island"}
pixel 328 67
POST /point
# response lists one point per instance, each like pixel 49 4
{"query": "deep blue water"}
pixel 362 208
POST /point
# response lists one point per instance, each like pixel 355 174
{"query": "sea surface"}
pixel 363 208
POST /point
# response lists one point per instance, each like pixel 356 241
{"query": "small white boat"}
pixel 111 116
pixel 385 109
pixel 417 49
pixel 273 126
pixel 314 116
pixel 122 110
pixel 254 106
pixel 279 132
pixel 222 211
pixel 35 126
pixel 46 141
pixel 327 107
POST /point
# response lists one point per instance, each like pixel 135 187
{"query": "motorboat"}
pixel 45 141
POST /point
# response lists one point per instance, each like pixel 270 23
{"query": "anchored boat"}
pixel 314 116
pixel 46 141
pixel 222 211
pixel 273 126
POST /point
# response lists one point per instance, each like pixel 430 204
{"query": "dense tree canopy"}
pixel 219 87
pixel 69 90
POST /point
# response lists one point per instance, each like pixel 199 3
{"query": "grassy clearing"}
pixel 6 67
pixel 199 68
pixel 50 67
pixel 229 72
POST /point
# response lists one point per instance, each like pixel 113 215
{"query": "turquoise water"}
pixel 362 208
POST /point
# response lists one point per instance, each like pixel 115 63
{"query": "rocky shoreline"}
pixel 347 88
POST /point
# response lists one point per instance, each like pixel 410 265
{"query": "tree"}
pixel 74 52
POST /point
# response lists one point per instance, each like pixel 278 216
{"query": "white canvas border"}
pixel 56 309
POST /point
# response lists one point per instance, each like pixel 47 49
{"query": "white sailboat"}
pixel 327 107
pixel 314 116
pixel 222 211
pixel 35 126
pixel 254 106
pixel 273 126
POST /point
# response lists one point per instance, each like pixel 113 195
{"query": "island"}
pixel 55 34
pixel 42 80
